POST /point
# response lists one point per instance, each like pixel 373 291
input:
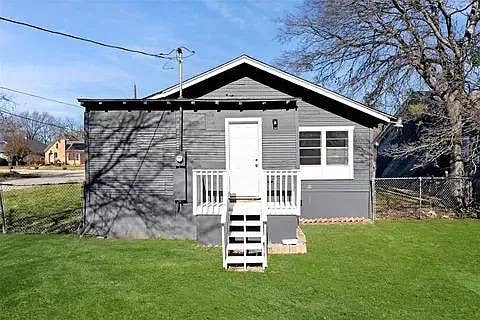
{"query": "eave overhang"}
pixel 187 104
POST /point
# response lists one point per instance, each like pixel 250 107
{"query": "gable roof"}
pixel 35 146
pixel 75 145
pixel 244 59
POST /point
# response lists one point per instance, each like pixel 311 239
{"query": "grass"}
pixel 388 270
pixel 52 208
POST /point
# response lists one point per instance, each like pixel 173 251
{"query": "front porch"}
pixel 244 233
pixel 280 192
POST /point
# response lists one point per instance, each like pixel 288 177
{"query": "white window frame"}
pixel 324 171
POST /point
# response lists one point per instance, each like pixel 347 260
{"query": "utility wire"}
pixel 40 97
pixel 156 55
pixel 34 120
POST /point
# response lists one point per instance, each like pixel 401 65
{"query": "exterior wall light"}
pixel 275 124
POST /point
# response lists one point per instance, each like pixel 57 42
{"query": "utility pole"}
pixel 180 95
pixel 134 91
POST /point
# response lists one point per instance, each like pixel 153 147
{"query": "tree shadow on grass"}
pixel 64 222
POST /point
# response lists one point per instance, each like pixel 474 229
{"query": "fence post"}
pixel 420 193
pixel 374 196
pixel 2 212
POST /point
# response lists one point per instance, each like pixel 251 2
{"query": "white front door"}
pixel 244 157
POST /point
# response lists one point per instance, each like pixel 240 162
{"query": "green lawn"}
pixel 52 208
pixel 388 270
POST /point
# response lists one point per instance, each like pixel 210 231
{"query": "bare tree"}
pixel 72 129
pixel 36 126
pixel 17 147
pixel 383 50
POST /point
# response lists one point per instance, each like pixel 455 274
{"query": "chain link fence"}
pixel 58 208
pixel 41 208
pixel 419 197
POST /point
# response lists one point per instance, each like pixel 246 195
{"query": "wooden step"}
pixel 242 259
pixel 250 223
pixel 245 234
pixel 234 198
pixel 246 208
pixel 245 246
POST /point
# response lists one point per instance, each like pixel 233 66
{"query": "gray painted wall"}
pixel 129 191
pixel 352 196
pixel 209 230
pixel 123 201
pixel 338 198
pixel 281 227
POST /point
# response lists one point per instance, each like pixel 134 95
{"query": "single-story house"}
pixel 234 158
pixel 63 151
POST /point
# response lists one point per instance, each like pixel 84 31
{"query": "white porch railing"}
pixel 210 192
pixel 281 192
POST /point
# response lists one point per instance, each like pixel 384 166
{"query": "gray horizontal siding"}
pixel 129 185
pixel 119 155
pixel 204 141
pixel 314 116
pixel 338 198
pixel 245 88
pixel 350 197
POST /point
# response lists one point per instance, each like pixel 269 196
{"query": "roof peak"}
pixel 244 58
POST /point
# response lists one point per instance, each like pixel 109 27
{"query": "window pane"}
pixel 337 156
pixel 337 134
pixel 310 143
pixel 337 143
pixel 337 138
pixel 310 135
pixel 309 152
pixel 310 161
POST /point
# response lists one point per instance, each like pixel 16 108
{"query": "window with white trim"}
pixel 326 152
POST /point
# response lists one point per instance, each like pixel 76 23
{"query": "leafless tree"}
pixel 35 125
pixel 16 148
pixel 383 50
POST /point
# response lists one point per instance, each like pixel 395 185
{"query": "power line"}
pixel 34 120
pixel 156 55
pixel 40 97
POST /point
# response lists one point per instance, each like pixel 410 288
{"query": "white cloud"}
pixel 225 10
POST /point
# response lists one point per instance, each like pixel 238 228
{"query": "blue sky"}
pixel 65 69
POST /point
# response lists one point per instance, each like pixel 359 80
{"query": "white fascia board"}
pixel 281 74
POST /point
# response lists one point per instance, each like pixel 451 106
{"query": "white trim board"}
pixel 276 72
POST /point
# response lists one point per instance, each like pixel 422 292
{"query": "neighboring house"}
pixel 260 148
pixel 3 156
pixel 36 155
pixel 414 113
pixel 62 151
